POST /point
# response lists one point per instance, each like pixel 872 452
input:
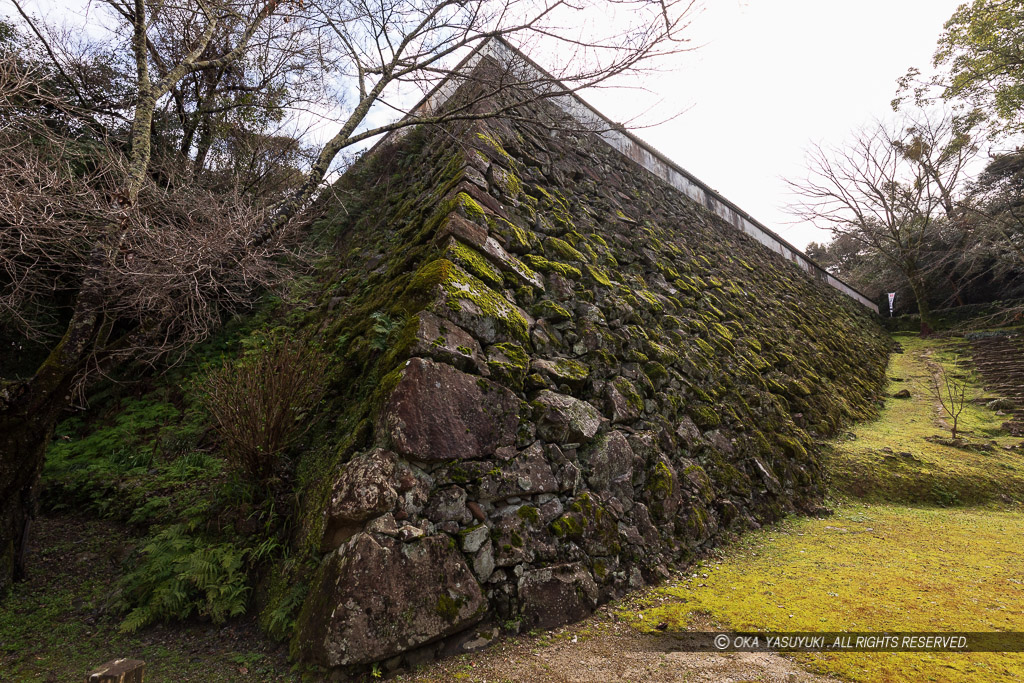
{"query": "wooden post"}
pixel 118 671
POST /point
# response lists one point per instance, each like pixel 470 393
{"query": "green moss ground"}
pixel 932 472
pixel 898 555
pixel 870 568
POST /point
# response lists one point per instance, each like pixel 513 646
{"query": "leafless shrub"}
pixel 164 270
pixel 949 385
pixel 261 402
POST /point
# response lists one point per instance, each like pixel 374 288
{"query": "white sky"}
pixel 773 76
pixel 768 78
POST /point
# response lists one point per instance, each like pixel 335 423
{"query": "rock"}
pixel 609 464
pixel 481 641
pixel 377 597
pixel 364 489
pixel 560 287
pixel 720 442
pixel 688 432
pixel 409 532
pixel 472 305
pixel 448 504
pixel 662 490
pixel 622 402
pixel 590 524
pixel 385 524
pixel 770 480
pixel 483 562
pixel 527 474
pixel 439 413
pixel 902 393
pixel 508 364
pixel 820 511
pixel 510 264
pixel 473 539
pixel 564 419
pixel 445 341
pixel 519 536
pixel 467 231
pixel 571 373
pixel 556 595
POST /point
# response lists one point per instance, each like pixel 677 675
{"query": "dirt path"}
pixel 602 649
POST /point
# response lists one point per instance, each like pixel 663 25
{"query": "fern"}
pixel 383 329
pixel 181 576
pixel 279 622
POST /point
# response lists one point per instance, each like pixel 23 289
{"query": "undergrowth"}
pixel 145 454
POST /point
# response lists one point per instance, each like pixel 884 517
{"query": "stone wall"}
pixel 562 378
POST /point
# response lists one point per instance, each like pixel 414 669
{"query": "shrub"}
pixel 260 402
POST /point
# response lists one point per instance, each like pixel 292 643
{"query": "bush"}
pixel 260 402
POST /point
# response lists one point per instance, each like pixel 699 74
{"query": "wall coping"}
pixel 637 150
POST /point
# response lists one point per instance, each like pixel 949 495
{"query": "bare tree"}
pixel 112 248
pixel 950 388
pixel 889 189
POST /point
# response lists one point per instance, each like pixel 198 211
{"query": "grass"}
pixel 900 554
pixel 870 568
pixel 61 624
pixel 891 460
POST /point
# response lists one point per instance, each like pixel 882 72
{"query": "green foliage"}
pixel 63 621
pixel 898 457
pixel 124 444
pixel 133 460
pixel 279 620
pixel 180 575
pixel 982 46
pixel 384 329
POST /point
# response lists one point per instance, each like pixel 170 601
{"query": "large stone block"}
pixel 610 464
pixel 439 413
pixel 377 597
pixel 529 473
pixel 557 595
pixel 445 341
pixel 471 304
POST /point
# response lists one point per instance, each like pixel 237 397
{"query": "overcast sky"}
pixel 773 76
pixel 768 77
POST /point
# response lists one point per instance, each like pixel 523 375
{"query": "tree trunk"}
pixel 921 297
pixel 202 148
pixel 26 427
pixel 29 412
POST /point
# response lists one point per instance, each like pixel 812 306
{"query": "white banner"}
pixel 892 296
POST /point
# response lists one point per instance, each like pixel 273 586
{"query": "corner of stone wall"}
pixel 569 416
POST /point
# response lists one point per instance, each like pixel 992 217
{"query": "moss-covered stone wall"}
pixel 561 378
